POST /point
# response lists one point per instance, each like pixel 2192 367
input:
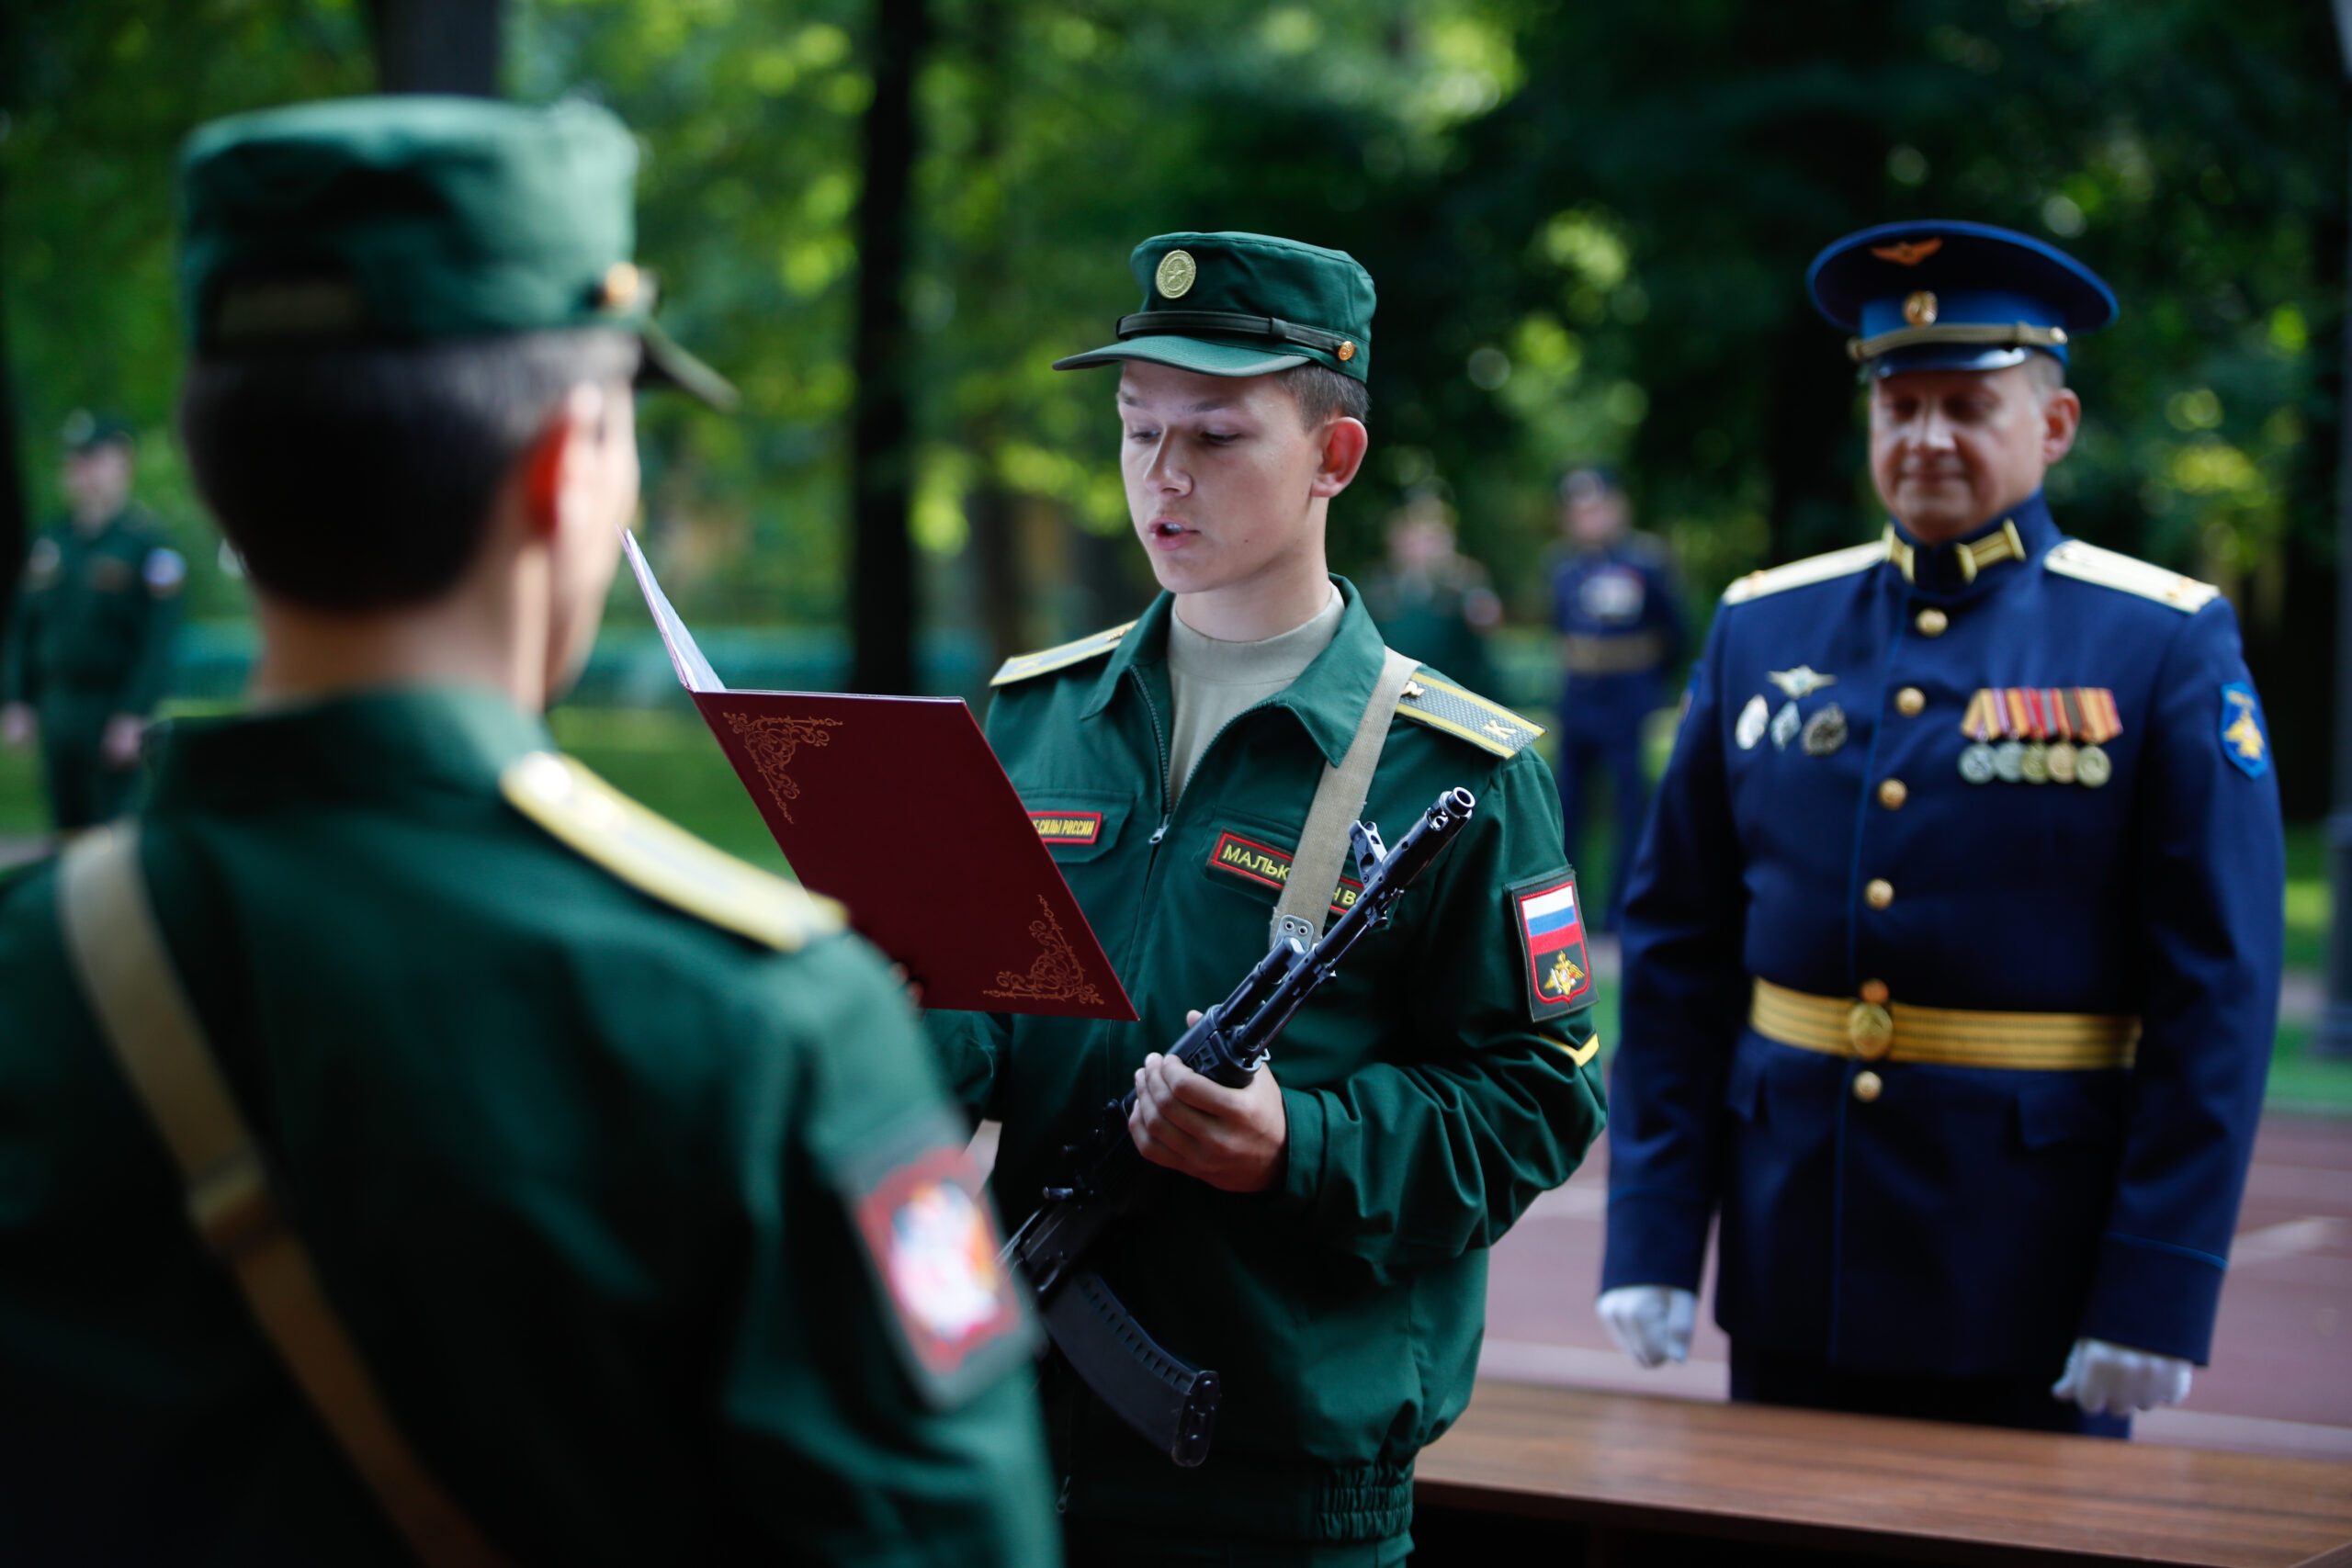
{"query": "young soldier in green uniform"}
pixel 1322 1244
pixel 624 1171
pixel 90 642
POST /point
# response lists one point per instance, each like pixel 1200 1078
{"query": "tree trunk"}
pixel 437 46
pixel 995 545
pixel 16 520
pixel 882 588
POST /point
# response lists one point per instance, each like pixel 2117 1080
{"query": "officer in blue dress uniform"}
pixel 1619 614
pixel 1953 952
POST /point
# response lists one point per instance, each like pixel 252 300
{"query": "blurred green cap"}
pixel 1234 304
pixel 413 219
pixel 86 432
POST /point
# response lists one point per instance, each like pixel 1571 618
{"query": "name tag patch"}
pixel 1266 866
pixel 1550 918
pixel 1067 827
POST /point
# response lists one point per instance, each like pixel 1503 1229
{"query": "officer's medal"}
pixel 1824 732
pixel 1753 720
pixel 2045 735
pixel 1785 725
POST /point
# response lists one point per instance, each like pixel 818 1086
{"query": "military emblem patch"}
pixel 1266 866
pixel 932 1245
pixel 2244 742
pixel 1067 827
pixel 1550 918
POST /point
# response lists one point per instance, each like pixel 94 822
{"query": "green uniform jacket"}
pixel 577 1164
pixel 1427 1104
pixel 94 618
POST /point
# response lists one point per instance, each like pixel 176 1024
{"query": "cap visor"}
pixel 1206 356
pixel 664 363
pixel 1947 356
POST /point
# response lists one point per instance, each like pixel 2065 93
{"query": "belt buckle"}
pixel 1869 1028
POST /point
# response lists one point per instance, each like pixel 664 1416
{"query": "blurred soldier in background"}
pixel 1619 613
pixel 89 645
pixel 1431 601
pixel 591 1196
pixel 1952 953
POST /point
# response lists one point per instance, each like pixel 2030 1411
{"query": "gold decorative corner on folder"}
pixel 773 743
pixel 1056 976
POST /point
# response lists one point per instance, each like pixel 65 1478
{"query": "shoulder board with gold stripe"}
pixel 1806 573
pixel 660 859
pixel 1443 705
pixel 1021 666
pixel 2088 563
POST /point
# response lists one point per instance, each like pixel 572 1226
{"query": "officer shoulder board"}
pixel 660 859
pixel 1021 666
pixel 2088 563
pixel 1806 573
pixel 1442 704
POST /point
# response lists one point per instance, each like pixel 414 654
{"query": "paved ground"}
pixel 2281 1378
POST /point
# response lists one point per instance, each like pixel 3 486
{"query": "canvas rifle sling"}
pixel 121 963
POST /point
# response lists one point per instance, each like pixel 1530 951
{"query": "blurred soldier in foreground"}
pixel 598 1193
pixel 1320 1238
pixel 89 647
pixel 1431 601
pixel 1619 614
pixel 1952 958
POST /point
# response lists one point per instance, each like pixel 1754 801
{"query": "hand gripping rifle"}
pixel 1172 1403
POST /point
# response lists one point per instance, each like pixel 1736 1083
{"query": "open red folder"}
pixel 897 806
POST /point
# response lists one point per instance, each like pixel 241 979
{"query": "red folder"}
pixel 897 807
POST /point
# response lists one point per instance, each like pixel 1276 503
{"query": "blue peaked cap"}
pixel 1945 295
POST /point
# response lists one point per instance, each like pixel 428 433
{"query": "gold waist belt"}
pixel 1955 1037
pixel 1614 655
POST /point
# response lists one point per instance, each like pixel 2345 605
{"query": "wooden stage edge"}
pixel 1633 1479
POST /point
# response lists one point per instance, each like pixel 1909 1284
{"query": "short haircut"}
pixel 2046 371
pixel 1325 395
pixel 354 480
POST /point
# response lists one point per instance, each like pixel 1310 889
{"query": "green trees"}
pixel 1590 225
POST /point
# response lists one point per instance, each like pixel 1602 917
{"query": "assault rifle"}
pixel 1170 1402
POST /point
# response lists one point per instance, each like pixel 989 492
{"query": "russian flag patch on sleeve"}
pixel 1550 917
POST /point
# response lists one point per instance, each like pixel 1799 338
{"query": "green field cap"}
pixel 1236 304
pixel 414 219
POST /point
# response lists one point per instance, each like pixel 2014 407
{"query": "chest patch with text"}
pixel 1067 827
pixel 1265 867
pixel 1549 914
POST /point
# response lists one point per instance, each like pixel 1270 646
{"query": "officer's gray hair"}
pixel 2046 373
pixel 362 478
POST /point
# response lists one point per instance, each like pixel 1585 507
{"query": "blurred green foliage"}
pixel 1588 225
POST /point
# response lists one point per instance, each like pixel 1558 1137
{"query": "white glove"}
pixel 1650 1323
pixel 2116 1380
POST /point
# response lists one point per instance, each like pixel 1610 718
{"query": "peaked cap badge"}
pixel 1908 252
pixel 1175 278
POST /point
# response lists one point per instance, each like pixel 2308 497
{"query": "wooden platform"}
pixel 1563 1476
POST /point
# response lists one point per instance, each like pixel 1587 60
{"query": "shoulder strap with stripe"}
pixel 1466 716
pixel 660 859
pixel 2109 568
pixel 1806 573
pixel 1046 660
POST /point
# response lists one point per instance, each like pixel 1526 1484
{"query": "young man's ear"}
pixel 548 465
pixel 1345 441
